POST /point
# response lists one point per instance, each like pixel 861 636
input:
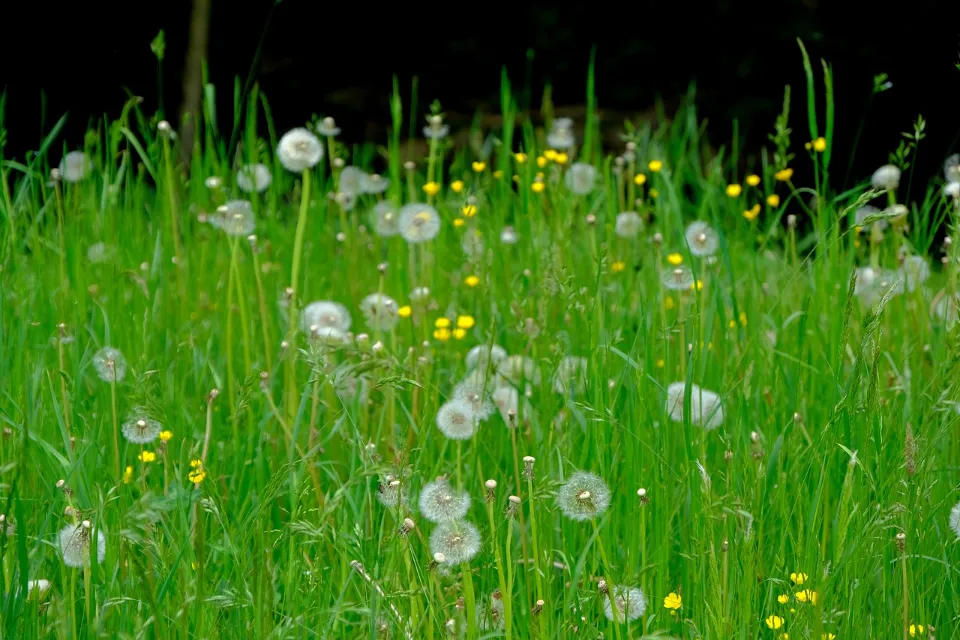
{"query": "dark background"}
pixel 338 59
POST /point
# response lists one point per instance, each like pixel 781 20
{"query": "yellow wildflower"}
pixel 827 636
pixel 431 188
pixel 538 186
pixel 520 157
pixel 457 186
pixel 675 259
pixel 752 212
pixel 498 174
pixel 405 311
pixel 147 456
pixel 465 322
pixel 618 266
pixel 820 144
pixel 668 303
pixel 774 622
pixel 469 210
pixel 442 334
pixel 915 629
pixel 783 598
pixel 550 154
pixel 698 285
pixel 655 165
pixel 197 472
pixel 807 596
pixel 773 200
pixel 673 601
pixel 743 318
pixel 784 174
pixel 458 222
pixel 798 578
pixel 127 475
pixel 733 190
pixel 654 193
pixel 471 281
pixel 753 179
pixel 640 179
pixel 660 363
pixel 561 158
pixel 478 167
pixel 541 161
pixel 732 324
pixel 442 323
pixel 166 435
pixel 459 334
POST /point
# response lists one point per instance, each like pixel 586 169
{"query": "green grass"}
pixel 838 429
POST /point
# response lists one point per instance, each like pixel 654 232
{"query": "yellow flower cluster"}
pixel 444 332
pixel 197 472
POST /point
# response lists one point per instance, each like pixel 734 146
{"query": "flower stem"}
pixel 289 382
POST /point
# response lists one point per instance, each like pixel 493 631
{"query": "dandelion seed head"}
pixel 571 375
pixel 702 239
pixel 631 602
pixel 508 236
pixel 629 224
pixel 328 127
pixel 476 398
pixel 457 420
pixel 581 178
pixel 866 211
pixel 951 168
pixel 482 356
pixel 352 180
pixel 38 587
pixel 374 183
pixel 886 177
pixel 507 400
pixel 385 217
pixel 706 409
pixel 418 222
pixel 458 541
pixel 380 311
pixel 299 150
pixel 235 218
pixel 517 369
pixel 75 166
pixel 141 429
pixel 110 364
pixel 75 541
pixel 677 278
pixel 561 134
pixel 325 314
pixel 389 493
pixel 583 496
pixel 254 178
pixel 441 502
pixel 490 616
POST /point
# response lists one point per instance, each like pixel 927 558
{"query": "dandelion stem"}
pixel 116 428
pixel 498 560
pixel 289 382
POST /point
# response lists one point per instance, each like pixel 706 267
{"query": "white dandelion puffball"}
pixel 436 130
pixel 677 279
pixel 235 218
pixel 629 224
pixel 74 542
pixel 457 420
pixel 472 243
pixel 631 603
pixel 702 239
pixel 951 168
pixel 351 180
pixel 329 336
pixel 390 493
pixel 561 134
pixel 350 387
pixel 440 502
pixel 458 541
pixel 581 178
pixel 374 183
pixel 583 496
pixel 873 284
pixel 866 211
pixel 508 236
pixel 254 177
pixel 517 369
pixel 380 311
pixel 325 314
pixel 506 399
pixel 299 150
pixel 706 409
pixel 75 166
pixel 141 429
pixel 886 177
pixel 38 587
pixel 915 270
pixel 952 190
pixel 110 364
pixel 418 222
pixel 384 217
pixel 475 395
pixel 955 519
pixel 483 355
pixel 328 127
pixel 491 616
pixel 571 375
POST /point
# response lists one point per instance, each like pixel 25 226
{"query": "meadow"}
pixel 527 388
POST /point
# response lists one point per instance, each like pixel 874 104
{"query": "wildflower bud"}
pixel 329 123
pixel 728 455
pixel 284 345
pixel 796 418
pixel 491 486
pixel 213 395
pixel 409 165
pixel 338 163
pixel 513 505
pixel 70 512
pixel 754 436
pixel 363 340
pixel 459 604
pixel 377 347
pixel 55 174
pixel 528 467
pixel 602 587
pixel 948 241
pixel 725 545
pixel 164 127
pixel 451 627
pixel 591 219
pixel 901 541
pixel 631 146
pixel 252 239
pixel 792 221
pixel 537 608
pixel 435 120
pixel 341 237
pixel 527 273
pixel 407 525
pixel 62 484
pixel 144 267
pixel 264 381
pixel 213 183
pixel 438 559
pixel 86 524
pixel 619 161
pixel 658 238
pixel 642 494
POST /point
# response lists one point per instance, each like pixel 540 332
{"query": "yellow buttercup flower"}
pixel 673 601
pixel 166 435
pixel 660 363
pixel 783 598
pixel 459 334
pixel 827 636
pixel 916 629
pixel 442 323
pixel 774 622
pixel 431 188
pixel 733 190
pixel 458 222
pixel 550 154
pixel 561 158
pixel 655 165
pixel 773 200
pixel 820 144
pixel 405 311
pixel 197 473
pixel 520 157
pixel 469 210
pixel 752 212
pixel 753 179
pixel 541 161
pixel 479 166
pixel 457 186
pixel 465 322
pixel 798 578
pixel 538 186
pixel 806 596
pixel 784 174
pixel 668 303
pixel 147 456
pixel 698 285
pixel 732 324
pixel 442 334
pixel 640 179
pixel 471 281
pixel 127 475
pixel 675 259
pixel 618 266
